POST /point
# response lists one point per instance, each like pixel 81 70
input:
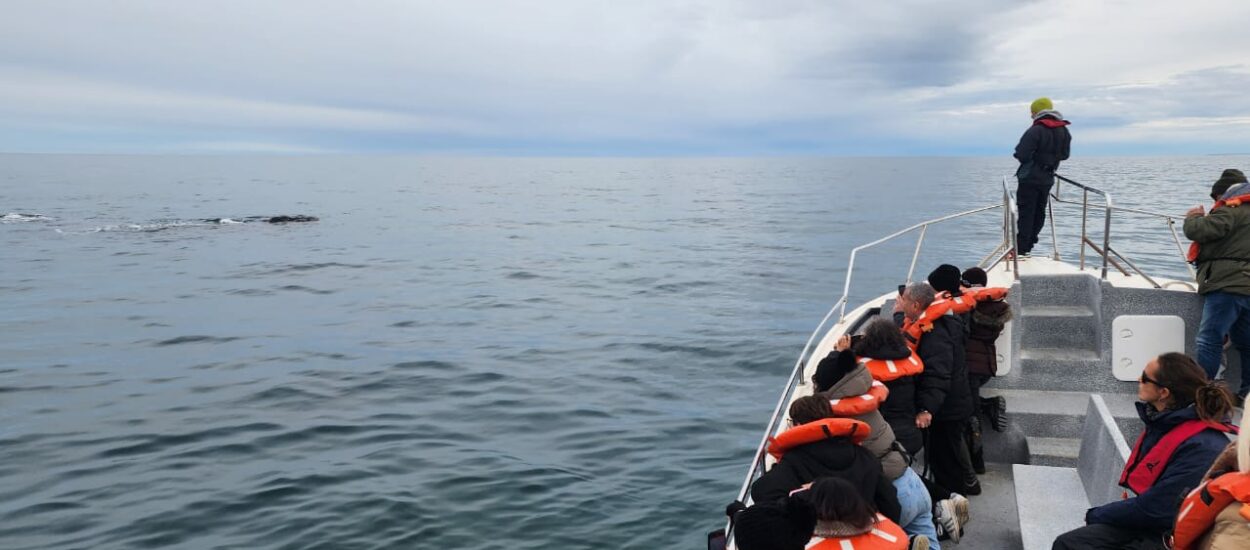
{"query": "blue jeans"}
pixel 1224 313
pixel 917 509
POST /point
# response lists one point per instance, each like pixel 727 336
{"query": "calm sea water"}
pixel 462 353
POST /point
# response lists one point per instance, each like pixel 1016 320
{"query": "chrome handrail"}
pixel 1107 251
pixel 1167 218
pixel 1106 234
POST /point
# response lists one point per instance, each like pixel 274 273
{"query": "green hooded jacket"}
pixel 1224 237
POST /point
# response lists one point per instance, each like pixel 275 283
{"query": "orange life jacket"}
pixel 825 428
pixel 885 535
pixel 861 404
pixel 944 304
pixel 887 370
pixel 1199 509
pixel 1232 202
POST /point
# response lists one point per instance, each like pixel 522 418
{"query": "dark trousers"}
pixel 1031 199
pixel 948 457
pixel 1107 537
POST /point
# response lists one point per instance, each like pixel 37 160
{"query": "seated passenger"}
pixel 841 377
pixel 829 451
pixel 1216 515
pixel 845 520
pixel 782 524
pixel 1186 419
pixel 884 353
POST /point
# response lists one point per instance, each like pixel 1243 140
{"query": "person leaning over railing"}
pixel 846 375
pixel 1221 251
pixel 1186 417
pixel 831 449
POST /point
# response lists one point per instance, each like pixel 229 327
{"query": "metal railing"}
pixel 1107 251
pixel 1005 250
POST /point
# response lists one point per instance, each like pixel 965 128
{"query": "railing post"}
pixel 1106 235
pixel 1084 217
pixel 916 255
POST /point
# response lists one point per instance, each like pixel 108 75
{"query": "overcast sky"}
pixel 586 77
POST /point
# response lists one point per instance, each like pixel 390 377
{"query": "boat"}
pixel 1083 328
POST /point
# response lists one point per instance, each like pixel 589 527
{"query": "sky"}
pixel 621 78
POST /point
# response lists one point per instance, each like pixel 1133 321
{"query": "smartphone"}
pixel 855 338
pixel 901 288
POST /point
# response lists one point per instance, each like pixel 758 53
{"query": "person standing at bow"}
pixel 1042 147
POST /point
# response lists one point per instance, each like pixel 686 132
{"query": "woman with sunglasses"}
pixel 1186 419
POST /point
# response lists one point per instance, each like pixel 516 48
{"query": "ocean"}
pixel 462 352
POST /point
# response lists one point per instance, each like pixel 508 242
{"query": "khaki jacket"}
pixel 1224 258
pixel 881 441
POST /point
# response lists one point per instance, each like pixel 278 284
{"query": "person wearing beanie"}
pixel 1229 178
pixel 985 323
pixel 1221 253
pixel 1042 147
pixel 945 278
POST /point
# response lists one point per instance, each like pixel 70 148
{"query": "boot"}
pixel 996 409
pixel 975 449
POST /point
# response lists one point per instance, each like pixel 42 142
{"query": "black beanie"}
pixel 786 524
pixel 945 278
pixel 975 276
pixel 1229 178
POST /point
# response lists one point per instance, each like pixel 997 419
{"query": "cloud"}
pixel 566 76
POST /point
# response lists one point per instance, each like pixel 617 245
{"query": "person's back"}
pixel 827 456
pixel 1040 150
pixel 844 519
pixel 1221 251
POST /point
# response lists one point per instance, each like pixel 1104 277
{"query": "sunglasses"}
pixel 1148 380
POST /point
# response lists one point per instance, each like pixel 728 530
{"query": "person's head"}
pixel 810 408
pixel 1040 104
pixel 915 298
pixel 945 279
pixel 975 276
pixel 786 524
pixel 1228 178
pixel 879 334
pixel 1174 381
pixel 836 499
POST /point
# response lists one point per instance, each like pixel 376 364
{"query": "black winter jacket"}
pixel 1041 148
pixel 942 389
pixel 835 457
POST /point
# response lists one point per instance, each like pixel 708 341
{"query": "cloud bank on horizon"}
pixel 571 77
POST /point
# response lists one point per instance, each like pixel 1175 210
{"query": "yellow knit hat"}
pixel 1041 104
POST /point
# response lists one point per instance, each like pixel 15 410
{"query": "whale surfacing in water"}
pixel 265 219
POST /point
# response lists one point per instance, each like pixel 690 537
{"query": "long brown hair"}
pixel 1188 383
